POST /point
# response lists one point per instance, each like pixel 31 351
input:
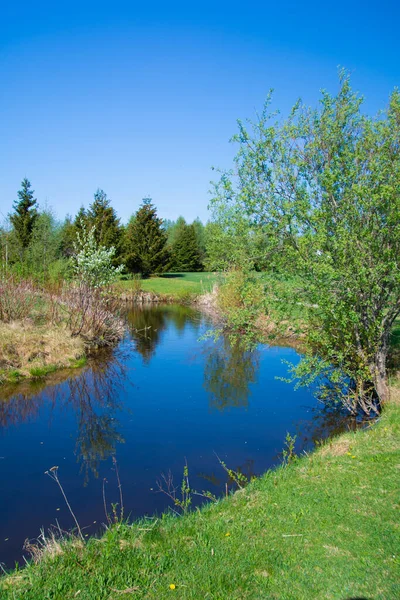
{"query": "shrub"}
pixel 17 298
pixel 92 314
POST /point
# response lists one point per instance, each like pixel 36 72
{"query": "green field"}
pixel 326 526
pixel 174 284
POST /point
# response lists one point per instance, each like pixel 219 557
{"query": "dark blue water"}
pixel 162 397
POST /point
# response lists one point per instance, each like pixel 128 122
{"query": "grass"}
pixel 174 285
pixel 326 526
pixel 31 351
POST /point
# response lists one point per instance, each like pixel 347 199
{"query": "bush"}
pixel 17 298
pixel 92 314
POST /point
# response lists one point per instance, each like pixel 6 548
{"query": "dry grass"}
pixel 336 447
pixel 395 393
pixel 26 348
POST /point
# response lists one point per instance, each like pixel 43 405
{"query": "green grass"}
pixel 78 363
pixel 325 527
pixel 175 284
pixel 39 372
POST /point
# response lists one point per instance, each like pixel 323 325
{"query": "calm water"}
pixel 162 397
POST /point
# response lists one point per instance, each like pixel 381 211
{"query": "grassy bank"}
pixel 326 526
pixel 44 329
pixel 31 351
pixel 173 285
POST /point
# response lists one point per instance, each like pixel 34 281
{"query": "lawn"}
pixel 175 284
pixel 326 526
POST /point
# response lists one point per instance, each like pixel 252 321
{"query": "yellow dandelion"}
pixel 227 534
pixel 353 456
pixel 348 453
pixel 172 586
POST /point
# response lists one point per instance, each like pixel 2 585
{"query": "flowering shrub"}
pixel 92 263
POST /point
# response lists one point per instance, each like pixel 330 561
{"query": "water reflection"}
pixel 229 371
pixel 92 393
pixel 84 416
pixel 147 323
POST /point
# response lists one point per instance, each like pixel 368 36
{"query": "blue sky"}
pixel 141 99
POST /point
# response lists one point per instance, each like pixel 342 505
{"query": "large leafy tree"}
pixel 25 214
pixel 185 251
pixel 319 195
pixel 146 242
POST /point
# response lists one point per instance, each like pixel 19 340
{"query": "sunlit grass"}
pixel 175 284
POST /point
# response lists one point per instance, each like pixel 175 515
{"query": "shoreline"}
pixel 298 523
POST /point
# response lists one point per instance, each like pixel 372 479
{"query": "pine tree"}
pixel 103 217
pixel 175 227
pixel 67 237
pixel 25 214
pixel 81 219
pixel 186 255
pixel 146 242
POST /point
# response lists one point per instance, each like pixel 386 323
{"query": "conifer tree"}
pixel 146 242
pixel 185 251
pixel 103 218
pixel 67 237
pixel 174 229
pixel 25 214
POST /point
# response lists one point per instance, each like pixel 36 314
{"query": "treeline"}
pixel 34 242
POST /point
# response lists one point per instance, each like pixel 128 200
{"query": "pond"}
pixel 166 395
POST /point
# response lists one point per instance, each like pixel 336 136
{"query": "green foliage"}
pixel 316 196
pixel 173 229
pixel 288 453
pixel 93 264
pixel 44 245
pixel 185 250
pixel 25 214
pixel 145 242
pixel 241 299
pixel 68 237
pixel 104 219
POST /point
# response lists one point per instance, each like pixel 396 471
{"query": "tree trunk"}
pixel 379 375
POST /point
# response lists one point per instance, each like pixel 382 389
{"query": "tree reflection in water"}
pixel 93 395
pixel 147 322
pixel 230 368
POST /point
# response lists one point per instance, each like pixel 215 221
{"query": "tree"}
pixel 185 251
pixel 93 264
pixel 145 242
pixel 321 188
pixel 81 219
pixel 174 228
pixel 25 214
pixel 103 218
pixel 201 238
pixel 67 237
pixel 44 245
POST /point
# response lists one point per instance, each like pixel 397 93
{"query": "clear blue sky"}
pixel 141 98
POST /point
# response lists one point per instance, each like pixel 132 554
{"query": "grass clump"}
pixel 323 526
pixel 29 350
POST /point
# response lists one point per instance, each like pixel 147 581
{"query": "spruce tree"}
pixel 186 255
pixel 25 214
pixel 175 227
pixel 103 217
pixel 81 219
pixel 146 242
pixel 67 237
